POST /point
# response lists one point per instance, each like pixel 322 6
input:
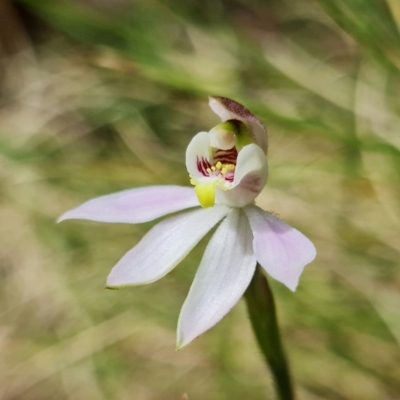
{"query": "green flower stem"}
pixel 261 308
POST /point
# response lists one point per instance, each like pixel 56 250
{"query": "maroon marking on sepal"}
pixel 237 109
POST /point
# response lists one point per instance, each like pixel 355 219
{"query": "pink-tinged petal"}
pixel 163 247
pixel 250 177
pixel 228 109
pixel 135 205
pixel 225 272
pixel 280 249
pixel 198 151
pixel 251 160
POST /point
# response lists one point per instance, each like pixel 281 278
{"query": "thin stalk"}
pixel 261 308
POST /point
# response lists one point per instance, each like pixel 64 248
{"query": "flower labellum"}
pixel 228 169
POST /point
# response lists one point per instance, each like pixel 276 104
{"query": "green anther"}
pixel 242 133
pixel 232 133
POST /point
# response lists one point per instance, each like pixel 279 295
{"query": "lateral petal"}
pixel 163 247
pixel 197 151
pixel 280 249
pixel 225 271
pixel 250 177
pixel 135 205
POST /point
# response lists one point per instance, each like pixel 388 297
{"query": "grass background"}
pixel 99 96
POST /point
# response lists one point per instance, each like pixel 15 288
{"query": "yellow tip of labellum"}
pixel 206 194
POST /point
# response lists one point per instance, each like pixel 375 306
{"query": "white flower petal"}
pixel 135 205
pixel 280 249
pixel 228 109
pixel 198 149
pixel 251 160
pixel 250 177
pixel 225 272
pixel 164 246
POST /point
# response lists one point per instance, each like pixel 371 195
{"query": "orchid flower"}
pixel 228 169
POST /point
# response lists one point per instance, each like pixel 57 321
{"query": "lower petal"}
pixel 163 247
pixel 225 272
pixel 135 205
pixel 280 249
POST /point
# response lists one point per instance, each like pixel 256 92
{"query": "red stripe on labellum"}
pixel 202 165
pixel 226 156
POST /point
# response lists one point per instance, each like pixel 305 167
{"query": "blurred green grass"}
pixel 98 96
